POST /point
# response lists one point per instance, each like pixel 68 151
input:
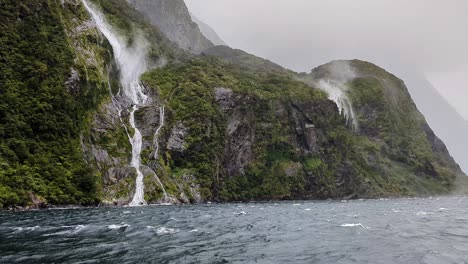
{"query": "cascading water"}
pixel 337 93
pixel 156 133
pixel 132 63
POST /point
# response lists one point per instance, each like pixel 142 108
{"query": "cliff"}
pixel 221 126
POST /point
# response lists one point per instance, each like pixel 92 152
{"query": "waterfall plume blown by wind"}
pixel 131 60
pixel 337 93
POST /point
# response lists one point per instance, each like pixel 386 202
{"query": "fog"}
pixel 429 36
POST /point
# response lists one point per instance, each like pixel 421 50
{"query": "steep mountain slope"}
pixel 76 125
pixel 45 101
pixel 173 19
pixel 443 118
pixel 266 136
pixel 56 72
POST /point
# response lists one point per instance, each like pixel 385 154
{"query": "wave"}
pixel 355 225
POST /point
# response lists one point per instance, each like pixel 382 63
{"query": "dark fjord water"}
pixel 368 231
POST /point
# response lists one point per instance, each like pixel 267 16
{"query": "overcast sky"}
pixel 428 35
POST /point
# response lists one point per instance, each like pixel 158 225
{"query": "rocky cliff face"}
pixel 236 127
pixel 173 19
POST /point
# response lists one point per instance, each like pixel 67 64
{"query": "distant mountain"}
pixel 208 31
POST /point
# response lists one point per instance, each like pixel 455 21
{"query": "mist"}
pixel 429 36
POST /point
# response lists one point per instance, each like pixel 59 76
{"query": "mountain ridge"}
pixel 236 127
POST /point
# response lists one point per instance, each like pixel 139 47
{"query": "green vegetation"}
pixel 188 92
pixel 391 156
pixel 40 116
pixel 253 131
pixel 211 72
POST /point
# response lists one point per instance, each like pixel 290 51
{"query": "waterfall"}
pixel 156 133
pixel 131 61
pixel 156 147
pixel 337 93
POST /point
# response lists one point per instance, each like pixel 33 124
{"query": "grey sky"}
pixel 428 35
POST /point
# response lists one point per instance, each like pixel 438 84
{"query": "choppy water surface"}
pixel 368 231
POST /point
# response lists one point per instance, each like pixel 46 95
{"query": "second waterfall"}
pixel 131 60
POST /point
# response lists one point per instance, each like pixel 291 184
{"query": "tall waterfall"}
pixel 337 93
pixel 132 63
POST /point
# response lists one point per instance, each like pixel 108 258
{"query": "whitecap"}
pixel 355 225
pixel 193 231
pixel 421 213
pixel 118 226
pixel 164 230
pixel 79 227
pixel 240 213
pixel 29 228
pixel 308 209
pixel 75 230
pixel 296 204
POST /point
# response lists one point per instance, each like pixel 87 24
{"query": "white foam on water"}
pixel 118 226
pixel 308 209
pixel 29 228
pixel 354 225
pixel 74 230
pixel 164 231
pixel 79 227
pixel 193 231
